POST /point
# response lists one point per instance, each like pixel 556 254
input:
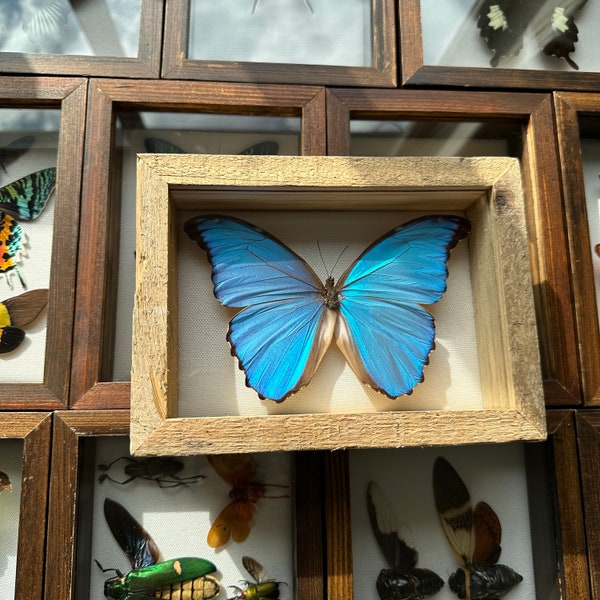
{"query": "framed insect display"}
pixel 56 37
pixel 40 162
pixel 216 419
pixel 337 43
pixel 140 529
pixel 24 446
pixel 514 43
pixel 193 118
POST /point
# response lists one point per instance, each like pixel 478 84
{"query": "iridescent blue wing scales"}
pixel 25 198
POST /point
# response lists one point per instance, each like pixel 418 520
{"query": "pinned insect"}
pixel 17 312
pixel 5 484
pixel 597 249
pixel 262 588
pixel 22 200
pixel 160 146
pixel 403 581
pixel 236 519
pixel 474 536
pixel 151 577
pixel 161 469
pixel 502 23
pixel 14 150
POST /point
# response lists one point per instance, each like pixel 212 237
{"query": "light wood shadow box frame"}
pixel 91 387
pixel 145 64
pixel 35 431
pixel 577 116
pixel 69 97
pixel 382 73
pixel 561 514
pixel 70 521
pixel 414 71
pixel 489 190
pixel 546 224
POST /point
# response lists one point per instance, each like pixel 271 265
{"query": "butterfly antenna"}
pixel 336 262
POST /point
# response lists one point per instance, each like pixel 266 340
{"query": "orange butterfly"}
pixel 236 519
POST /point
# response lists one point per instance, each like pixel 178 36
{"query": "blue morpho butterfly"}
pixel 159 146
pixel 290 317
pixel 502 23
pixel 21 200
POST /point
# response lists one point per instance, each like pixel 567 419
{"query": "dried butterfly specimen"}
pixel 16 313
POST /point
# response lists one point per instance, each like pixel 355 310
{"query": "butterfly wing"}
pixel 383 331
pixel 16 148
pixel 285 328
pixel 12 241
pixel 26 198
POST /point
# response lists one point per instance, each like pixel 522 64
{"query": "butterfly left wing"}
pixel 25 198
pixel 383 331
pixel 12 243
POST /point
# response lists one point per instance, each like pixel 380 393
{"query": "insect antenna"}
pixel 327 271
pixel 116 571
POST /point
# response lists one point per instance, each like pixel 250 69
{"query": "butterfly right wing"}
pixel 284 329
pixel 25 198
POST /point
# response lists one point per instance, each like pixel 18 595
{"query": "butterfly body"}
pixel 289 317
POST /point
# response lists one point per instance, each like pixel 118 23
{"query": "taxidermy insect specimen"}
pixel 17 312
pixel 21 200
pixel 403 580
pixel 502 23
pixel 150 576
pixel 12 151
pixel 161 469
pixel 5 484
pixel 290 317
pixel 474 536
pixel 262 586
pixel 236 519
pixel 160 146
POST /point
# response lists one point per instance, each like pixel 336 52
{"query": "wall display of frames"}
pixel 68 37
pixel 330 42
pixel 409 122
pixel 41 137
pixel 93 452
pixel 533 44
pixel 24 465
pixel 189 396
pixel 578 122
pixel 136 118
pixel 533 489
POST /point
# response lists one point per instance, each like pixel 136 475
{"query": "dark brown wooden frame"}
pixel 68 95
pixel 146 64
pixel 414 72
pixel 381 74
pixel 68 516
pixel 35 429
pixel 588 436
pixel 540 165
pixel 99 212
pixel 570 107
pixel 569 526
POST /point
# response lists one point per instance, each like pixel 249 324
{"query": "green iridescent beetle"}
pixel 151 576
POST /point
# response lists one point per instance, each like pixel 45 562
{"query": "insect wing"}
pixel 262 148
pixel 235 469
pixel 12 242
pixel 160 146
pixel 284 330
pixel 384 333
pixel 10 339
pixel 233 522
pixel 5 484
pixel 26 198
pixel 255 569
pixel 130 535
pixel 12 151
pixel 21 310
pixel 488 535
pixel 453 504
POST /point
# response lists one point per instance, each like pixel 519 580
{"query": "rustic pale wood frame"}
pixel 381 74
pixel 570 107
pixel 540 164
pixel 69 95
pixel 413 71
pixel 69 516
pixel 563 466
pixel 35 429
pixel 146 64
pixel 100 210
pixel 489 189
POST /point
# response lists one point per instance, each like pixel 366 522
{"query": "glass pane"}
pixel 312 32
pixel 515 35
pixel 430 138
pixel 28 150
pixel 179 132
pixel 83 27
